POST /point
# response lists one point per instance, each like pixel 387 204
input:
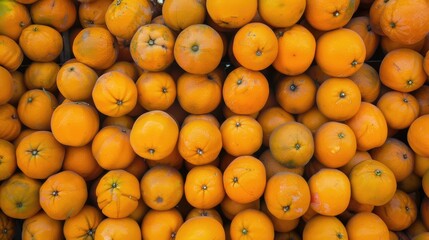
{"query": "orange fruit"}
pixel 330 192
pixel 312 119
pixel 60 15
pixel 368 81
pixel 159 131
pixel 245 91
pixel 366 225
pixel 42 75
pixel 252 224
pixel 340 52
pixel 287 196
pixel 274 12
pixel 156 90
pixel 161 224
pixel 42 226
pixel 335 144
pixel 201 228
pixel 121 228
pixel 181 14
pixel 255 46
pixel 241 135
pixel 34 39
pixel 230 208
pixel 422 96
pixel 292 144
pixel 296 94
pixel 330 15
pixel 7 159
pixel 227 14
pixel 296 50
pixel 361 25
pixel 81 161
pixel 324 227
pixel 338 98
pixel 8 83
pixel 270 118
pixel 83 224
pixel 197 212
pixel 418 135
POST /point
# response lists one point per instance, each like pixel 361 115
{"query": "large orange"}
pixel 92 13
pixel 366 225
pixel 41 75
pixel 341 52
pixel 151 47
pixel 154 135
pixel 59 14
pixel 124 17
pixel 10 53
pixel 156 90
pixel 63 195
pixel 180 14
pixel 245 91
pixel 200 142
pixel 361 25
pixel 110 144
pixel 162 187
pixel 15 18
pixel 19 196
pixel 402 70
pixel 372 182
pixel 84 224
pixel 95 47
pixel 118 193
pixel 274 12
pixel 292 144
pixel 418 135
pixel 338 98
pixel 368 81
pixel 7 159
pixel 118 228
pixel 335 144
pixel 330 192
pixel 287 196
pixel 296 51
pixel 251 224
pixel 244 179
pixel 369 126
pixel 329 15
pixel 41 226
pixel 241 135
pixel 34 39
pixel 40 155
pixel 255 46
pixel 198 49
pixel 74 123
pixel 204 187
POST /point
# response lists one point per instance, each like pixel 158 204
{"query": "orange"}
pixel 368 81
pixel 161 224
pixel 418 135
pixel 366 225
pixel 201 228
pixel 92 13
pixel 230 208
pixel 34 39
pixel 84 224
pixel 241 135
pixel 292 144
pixel 296 51
pixel 156 90
pixel 335 144
pixel 272 166
pixel 180 14
pixel 341 52
pixel 287 196
pixel 159 132
pixel 312 119
pixel 422 96
pixel 245 91
pixel 270 118
pixel 6 80
pixel 121 228
pixel 251 224
pixel 231 14
pixel 296 94
pixel 7 159
pixel 41 226
pixel 82 161
pixel 361 25
pixel 330 192
pixel 198 49
pixel 244 179
pixel 274 12
pixel 255 46
pixel 338 98
pixel 358 157
pixel 329 15
pixel 324 227
pixel 204 187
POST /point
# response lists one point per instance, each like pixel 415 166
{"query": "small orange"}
pixel 35 109
pixel 118 228
pixel 418 135
pixel 296 94
pixel 201 228
pixel 312 119
pixel 230 208
pixel 156 90
pixel 6 80
pixel 366 225
pixel 272 166
pixel 7 159
pixel 324 227
pixel 81 161
pixel 274 12
pixel 84 224
pixel 251 224
pixel 422 96
pixel 244 179
pixel 161 224
pixel 368 81
pixel 330 15
pixel 270 118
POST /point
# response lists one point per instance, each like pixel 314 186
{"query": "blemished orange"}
pixel 292 144
pixel 198 49
pixel 402 70
pixel 287 195
pixel 156 90
pixel 117 193
pixel 338 98
pixel 241 135
pixel 253 224
pixel 335 144
pixel 274 12
pixel 330 192
pixel 340 52
pixel 296 94
pixel 159 132
pixel 200 142
pixel 296 50
pixel 255 46
pixel 204 187
pixel 244 179
pixel 42 226
pixel 245 91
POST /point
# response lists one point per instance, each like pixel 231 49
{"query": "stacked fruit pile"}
pixel 214 119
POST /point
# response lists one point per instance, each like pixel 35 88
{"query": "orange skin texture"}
pixel 59 14
pixel 253 224
pixel 35 37
pixel 83 224
pixel 42 226
pixel 35 109
pixel 6 80
pixel 161 224
pixel 156 90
